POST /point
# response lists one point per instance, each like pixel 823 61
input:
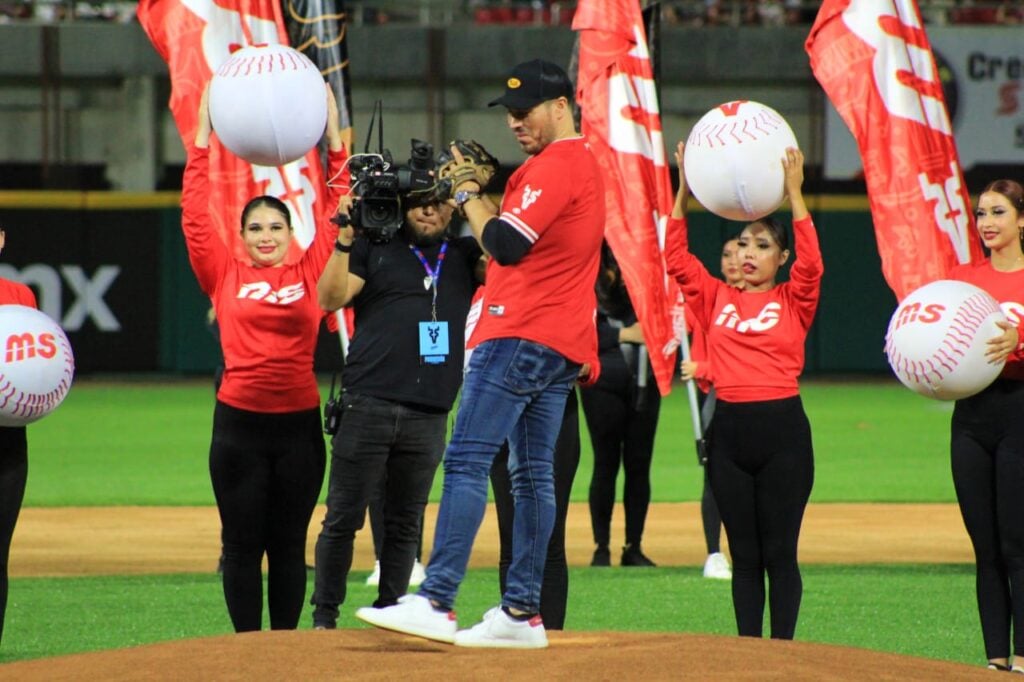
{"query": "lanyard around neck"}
pixel 433 274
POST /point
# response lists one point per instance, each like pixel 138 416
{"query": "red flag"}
pixel 194 37
pixel 620 118
pixel 873 59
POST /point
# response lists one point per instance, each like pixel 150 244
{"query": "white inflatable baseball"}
pixel 733 160
pixel 37 366
pixel 268 104
pixel 937 339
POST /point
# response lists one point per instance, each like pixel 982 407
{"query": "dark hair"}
pixel 1011 189
pixel 269 202
pixel 776 229
pixel 612 298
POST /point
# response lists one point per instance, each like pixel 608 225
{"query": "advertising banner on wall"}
pixel 97 273
pixel 982 70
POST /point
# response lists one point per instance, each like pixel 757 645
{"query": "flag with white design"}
pixel 620 118
pixel 873 59
pixel 195 37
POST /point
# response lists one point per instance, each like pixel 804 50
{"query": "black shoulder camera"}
pixel 381 188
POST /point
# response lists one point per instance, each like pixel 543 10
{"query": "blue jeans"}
pixel 514 390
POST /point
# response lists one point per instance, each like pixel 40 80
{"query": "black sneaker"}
pixel 325 617
pixel 602 556
pixel 632 556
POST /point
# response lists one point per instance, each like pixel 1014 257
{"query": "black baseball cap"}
pixel 533 82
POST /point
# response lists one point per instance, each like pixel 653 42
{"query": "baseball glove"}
pixel 477 164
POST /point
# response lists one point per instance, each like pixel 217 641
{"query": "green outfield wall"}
pixel 112 268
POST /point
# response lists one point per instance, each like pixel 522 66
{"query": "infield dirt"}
pixel 139 540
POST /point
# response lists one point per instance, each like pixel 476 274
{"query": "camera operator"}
pixel 411 293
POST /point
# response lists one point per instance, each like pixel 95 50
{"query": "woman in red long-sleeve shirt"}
pixel 761 464
pixel 987 433
pixel 267 455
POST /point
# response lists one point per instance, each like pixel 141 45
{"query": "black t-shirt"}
pixel 384 355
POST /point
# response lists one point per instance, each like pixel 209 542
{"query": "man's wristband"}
pixel 462 196
pixel 342 248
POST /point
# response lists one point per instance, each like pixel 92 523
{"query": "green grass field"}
pixel 145 442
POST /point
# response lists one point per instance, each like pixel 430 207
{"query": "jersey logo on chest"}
pixel 762 322
pixel 262 291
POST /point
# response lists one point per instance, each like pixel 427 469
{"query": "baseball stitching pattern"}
pixel 750 129
pixel 957 341
pixel 249 65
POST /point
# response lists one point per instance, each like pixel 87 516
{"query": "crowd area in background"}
pixel 546 12
pixel 798 12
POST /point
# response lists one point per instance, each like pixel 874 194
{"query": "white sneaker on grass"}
pixel 373 580
pixel 413 615
pixel 418 575
pixel 501 631
pixel 717 567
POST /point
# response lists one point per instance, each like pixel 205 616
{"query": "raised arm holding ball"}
pixel 761 464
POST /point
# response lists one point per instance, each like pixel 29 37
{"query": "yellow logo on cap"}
pixel 514 83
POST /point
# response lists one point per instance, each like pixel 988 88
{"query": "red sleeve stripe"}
pixel 519 226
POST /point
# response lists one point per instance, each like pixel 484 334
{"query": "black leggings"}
pixel 710 518
pixel 267 471
pixel 554 591
pixel 761 468
pixel 620 435
pixel 987 457
pixel 13 474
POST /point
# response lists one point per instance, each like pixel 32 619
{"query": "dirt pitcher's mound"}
pixel 377 655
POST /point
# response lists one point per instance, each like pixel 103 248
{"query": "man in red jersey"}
pixel 13 453
pixel 536 330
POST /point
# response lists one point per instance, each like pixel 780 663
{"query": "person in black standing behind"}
pixel 397 391
pixel 621 409
pixel 13 454
pixel 554 589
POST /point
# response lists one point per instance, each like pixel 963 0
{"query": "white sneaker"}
pixel 373 579
pixel 412 615
pixel 418 575
pixel 717 567
pixel 501 631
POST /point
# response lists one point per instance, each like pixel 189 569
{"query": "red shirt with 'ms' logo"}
pixel 268 317
pixel 1008 289
pixel 755 339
